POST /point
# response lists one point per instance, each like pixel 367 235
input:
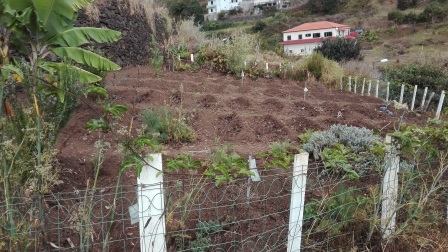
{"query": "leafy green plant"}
pixel 106 121
pixel 338 159
pixel 226 166
pixel 183 161
pixel 280 154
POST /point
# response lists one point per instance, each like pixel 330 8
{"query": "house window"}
pixel 302 50
pixel 290 51
pixel 328 34
pixel 308 35
pixel 316 35
pixel 211 10
pixel 211 2
pixel 300 36
pixel 289 37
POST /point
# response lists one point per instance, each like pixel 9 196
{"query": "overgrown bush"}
pixel 405 4
pixel 324 6
pixel 423 75
pixel 340 49
pixel 368 36
pixel 185 9
pixel 315 65
pixel 166 125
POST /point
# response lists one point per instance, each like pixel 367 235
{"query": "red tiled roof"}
pixel 316 26
pixel 307 41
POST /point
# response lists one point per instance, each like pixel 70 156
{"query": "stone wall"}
pixel 133 48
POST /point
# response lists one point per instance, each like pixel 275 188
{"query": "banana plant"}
pixel 40 28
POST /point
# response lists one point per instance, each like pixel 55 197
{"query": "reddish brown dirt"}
pixel 222 110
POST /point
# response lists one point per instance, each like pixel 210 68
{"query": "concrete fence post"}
pixel 192 57
pixel 297 206
pixel 363 85
pixel 401 93
pixel 439 107
pixel 377 87
pixel 390 190
pixel 369 88
pixel 413 98
pixel 340 83
pixel 356 84
pixel 424 98
pixel 349 83
pixel 151 206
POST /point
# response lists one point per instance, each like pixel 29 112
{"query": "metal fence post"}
pixel 390 191
pixel 297 201
pixel 151 206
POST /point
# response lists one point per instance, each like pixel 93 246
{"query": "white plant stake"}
pixel 305 90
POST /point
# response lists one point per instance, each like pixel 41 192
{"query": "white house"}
pixel 302 39
pixel 216 6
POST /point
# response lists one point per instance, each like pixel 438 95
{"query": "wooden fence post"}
pixel 297 206
pixel 151 206
pixel 439 107
pixel 390 190
pixel 413 98
pixel 401 93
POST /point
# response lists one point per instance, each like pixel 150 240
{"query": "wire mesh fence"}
pixel 340 214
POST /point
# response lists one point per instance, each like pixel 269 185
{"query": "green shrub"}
pixel 423 75
pixel 396 16
pixel 163 125
pixel 315 65
pixel 357 139
pixel 368 36
pixel 405 4
pixel 340 49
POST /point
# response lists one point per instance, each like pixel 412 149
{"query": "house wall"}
pixel 335 33
pixel 300 49
pixel 216 6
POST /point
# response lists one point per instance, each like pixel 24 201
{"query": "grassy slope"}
pixel 403 43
